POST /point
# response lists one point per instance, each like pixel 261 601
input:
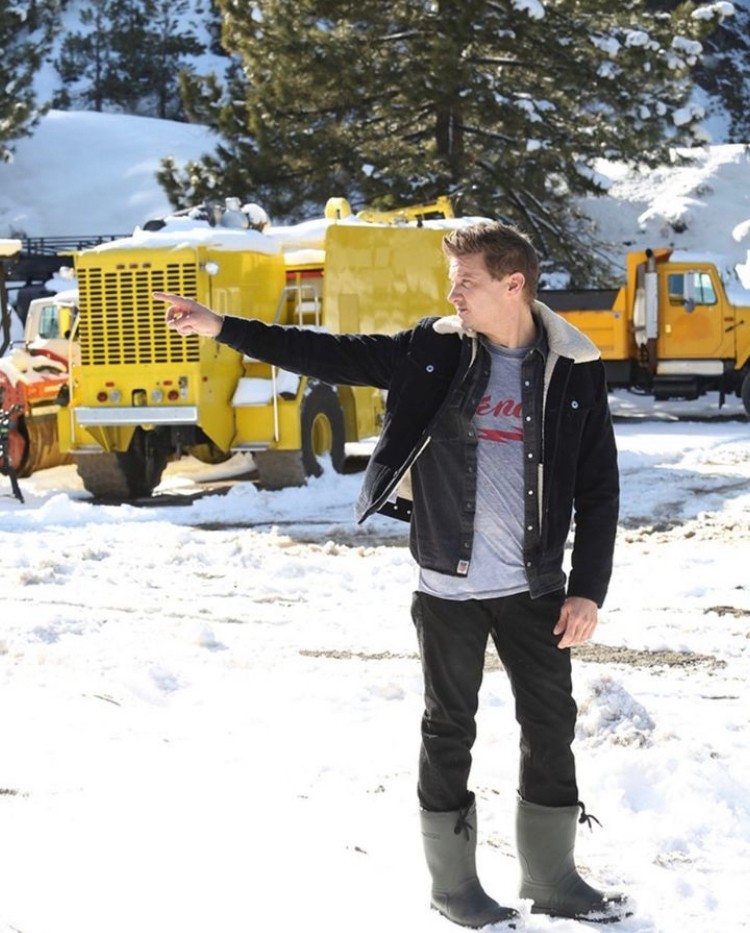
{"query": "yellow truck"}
pixel 678 327
pixel 139 395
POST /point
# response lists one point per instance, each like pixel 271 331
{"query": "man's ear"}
pixel 516 282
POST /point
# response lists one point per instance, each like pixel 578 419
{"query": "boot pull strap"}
pixel 587 817
pixel 462 822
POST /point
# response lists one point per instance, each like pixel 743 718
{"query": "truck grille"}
pixel 121 323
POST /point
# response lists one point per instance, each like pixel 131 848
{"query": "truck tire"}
pixel 322 433
pixel 746 394
pixel 133 474
pixel 322 424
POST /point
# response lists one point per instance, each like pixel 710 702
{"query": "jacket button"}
pixel 574 404
pixel 430 368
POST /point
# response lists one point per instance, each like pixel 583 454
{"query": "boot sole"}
pixel 510 922
pixel 586 918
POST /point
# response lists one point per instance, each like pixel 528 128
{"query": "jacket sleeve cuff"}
pixel 232 331
pixel 588 589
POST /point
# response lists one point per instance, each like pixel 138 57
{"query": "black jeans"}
pixel 453 639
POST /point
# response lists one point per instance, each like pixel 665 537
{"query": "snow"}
pixel 10 247
pixel 58 185
pixel 182 232
pixel 256 391
pixel 212 706
pixel 533 8
pixel 212 702
pixel 711 10
pixel 700 203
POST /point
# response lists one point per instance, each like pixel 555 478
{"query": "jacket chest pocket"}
pixel 575 410
pixel 426 366
pixel 420 385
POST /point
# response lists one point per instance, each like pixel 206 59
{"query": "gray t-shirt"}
pixel 497 566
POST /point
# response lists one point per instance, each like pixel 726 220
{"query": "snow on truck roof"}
pixel 185 232
pixel 9 248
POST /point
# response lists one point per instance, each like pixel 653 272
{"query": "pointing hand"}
pixel 187 316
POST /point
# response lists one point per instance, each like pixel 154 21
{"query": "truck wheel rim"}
pixel 321 435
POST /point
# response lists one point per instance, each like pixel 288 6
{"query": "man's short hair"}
pixel 505 249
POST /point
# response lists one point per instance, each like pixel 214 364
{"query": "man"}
pixel 497 420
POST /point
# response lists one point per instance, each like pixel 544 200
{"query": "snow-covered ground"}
pixel 211 709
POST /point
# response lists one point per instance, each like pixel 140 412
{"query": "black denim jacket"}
pixel 435 381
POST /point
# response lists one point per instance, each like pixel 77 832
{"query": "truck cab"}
pixel 677 328
pixel 690 336
pixel 49 327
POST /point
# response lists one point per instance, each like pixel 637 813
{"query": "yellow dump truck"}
pixel 677 328
pixel 138 394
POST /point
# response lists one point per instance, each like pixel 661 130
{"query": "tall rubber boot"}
pixel 450 844
pixel 545 837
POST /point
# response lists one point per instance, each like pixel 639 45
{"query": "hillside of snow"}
pixel 85 173
pixel 700 205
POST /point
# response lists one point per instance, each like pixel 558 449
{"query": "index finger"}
pixel 167 296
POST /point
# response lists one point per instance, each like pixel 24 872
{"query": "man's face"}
pixel 481 300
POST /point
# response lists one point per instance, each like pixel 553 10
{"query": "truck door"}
pixel 692 312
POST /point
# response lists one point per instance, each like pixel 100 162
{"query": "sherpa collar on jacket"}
pixel 563 338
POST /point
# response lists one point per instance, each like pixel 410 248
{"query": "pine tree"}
pixel 503 104
pixel 86 60
pixel 170 40
pixel 26 31
pixel 128 56
pixel 724 72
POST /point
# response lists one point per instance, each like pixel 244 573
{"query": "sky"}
pixel 211 702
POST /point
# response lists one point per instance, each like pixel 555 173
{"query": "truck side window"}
pixel 48 322
pixel 703 289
